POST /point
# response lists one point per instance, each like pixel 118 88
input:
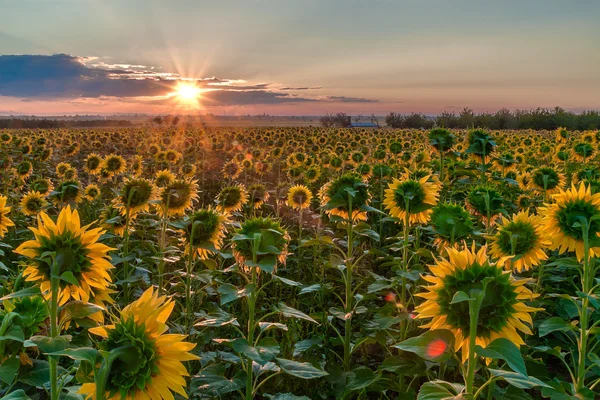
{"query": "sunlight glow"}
pixel 188 92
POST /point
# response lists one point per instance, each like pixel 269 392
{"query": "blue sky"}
pixel 300 57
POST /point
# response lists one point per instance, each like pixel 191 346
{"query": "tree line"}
pixel 539 118
pixel 36 123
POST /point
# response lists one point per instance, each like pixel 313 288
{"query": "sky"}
pixel 300 57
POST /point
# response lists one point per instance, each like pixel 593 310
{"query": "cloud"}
pixel 64 77
pixel 344 99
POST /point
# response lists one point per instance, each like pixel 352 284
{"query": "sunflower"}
pixel 486 202
pixel 524 202
pixel 502 313
pixel 299 197
pixel 92 192
pixel 231 170
pixel 481 145
pixel 24 169
pixel 583 151
pixel 137 165
pixel 258 195
pixel 451 224
pixel 164 178
pixel 272 247
pixel 32 203
pixel 136 196
pixel 188 170
pixel 547 180
pixel 343 193
pixel 561 220
pixel 76 251
pixel 206 228
pixel 519 242
pixel 113 221
pixel 441 139
pixel 562 135
pixel 114 164
pixel 177 197
pixel 93 164
pixel 5 222
pixel 524 180
pixel 67 192
pixel 61 168
pixel 412 196
pixel 158 369
pixel 231 199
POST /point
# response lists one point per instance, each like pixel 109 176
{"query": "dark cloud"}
pixel 62 77
pixel 344 99
pixel 300 88
pixel 229 97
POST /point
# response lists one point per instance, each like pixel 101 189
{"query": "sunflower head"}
pixel 150 361
pixel 299 197
pixel 67 192
pixel 583 151
pixel 114 164
pixel 65 247
pixel 164 178
pixel 178 196
pixel 547 179
pixel 271 248
pixel 231 199
pixel 412 199
pixel 136 195
pixel 382 171
pixel 451 223
pixel 481 144
pixel 24 169
pixel 258 195
pixel 231 170
pixel 519 242
pixel 113 221
pixel 33 203
pixel 344 193
pixel 92 192
pixel 205 228
pixel 441 139
pixel 5 222
pixel 502 313
pixel 563 221
pixel 485 201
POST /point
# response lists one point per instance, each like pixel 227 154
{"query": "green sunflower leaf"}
pixel 518 380
pixel 300 370
pixel 28 292
pixel 439 390
pixel 433 345
pixel 461 296
pixel 88 354
pixel 9 369
pixel 51 345
pixel 16 395
pixel 506 350
pixel 290 312
pixel 554 324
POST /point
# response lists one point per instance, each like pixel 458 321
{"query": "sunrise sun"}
pixel 187 92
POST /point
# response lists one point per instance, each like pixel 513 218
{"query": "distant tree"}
pixel 466 118
pixel 339 120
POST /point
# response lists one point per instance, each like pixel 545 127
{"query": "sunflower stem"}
pixel 348 282
pixel 474 307
pixel 586 281
pixel 53 360
pixel 188 283
pixel 251 306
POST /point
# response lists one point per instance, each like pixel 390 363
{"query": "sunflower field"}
pixel 299 263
